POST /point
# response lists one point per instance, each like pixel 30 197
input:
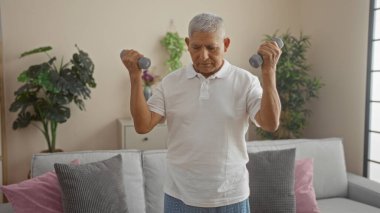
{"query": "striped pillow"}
pixel 271 181
pixel 93 187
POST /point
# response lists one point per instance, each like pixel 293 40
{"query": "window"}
pixel 372 128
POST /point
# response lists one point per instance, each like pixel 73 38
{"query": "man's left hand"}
pixel 270 52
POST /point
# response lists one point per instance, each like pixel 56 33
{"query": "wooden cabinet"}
pixel 129 139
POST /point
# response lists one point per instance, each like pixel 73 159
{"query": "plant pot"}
pixel 56 150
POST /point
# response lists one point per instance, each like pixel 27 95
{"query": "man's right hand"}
pixel 130 60
pixel 143 119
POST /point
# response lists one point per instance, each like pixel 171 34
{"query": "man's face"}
pixel 207 51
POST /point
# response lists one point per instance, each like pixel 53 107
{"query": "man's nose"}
pixel 204 53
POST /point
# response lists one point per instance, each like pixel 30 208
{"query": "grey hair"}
pixel 206 22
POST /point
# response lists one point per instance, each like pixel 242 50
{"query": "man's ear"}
pixel 187 40
pixel 226 42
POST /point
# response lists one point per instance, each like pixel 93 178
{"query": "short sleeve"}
pixel 156 102
pixel 254 95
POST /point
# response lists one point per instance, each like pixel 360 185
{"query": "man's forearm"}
pixel 270 104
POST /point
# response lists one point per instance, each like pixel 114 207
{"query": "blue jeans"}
pixel 174 205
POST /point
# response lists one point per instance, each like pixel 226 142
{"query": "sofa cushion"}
pixel 40 194
pixel 132 170
pixel 154 168
pixel 271 181
pixel 330 178
pixel 93 187
pixel 303 187
pixel 344 205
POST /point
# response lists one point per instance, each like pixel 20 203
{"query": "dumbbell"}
pixel 256 60
pixel 143 62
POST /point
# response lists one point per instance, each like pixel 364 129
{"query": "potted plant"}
pixel 295 86
pixel 175 46
pixel 48 89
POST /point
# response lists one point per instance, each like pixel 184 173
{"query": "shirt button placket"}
pixel 205 95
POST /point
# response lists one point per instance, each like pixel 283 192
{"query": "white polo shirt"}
pixel 207 120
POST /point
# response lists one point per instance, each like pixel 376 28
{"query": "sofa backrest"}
pixel 132 170
pixel 330 176
pixel 154 169
pixel 145 171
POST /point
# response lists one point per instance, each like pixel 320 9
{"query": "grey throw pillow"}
pixel 93 187
pixel 271 181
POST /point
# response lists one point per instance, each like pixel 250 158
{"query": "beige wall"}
pixel 339 30
pixel 339 47
pixel 103 29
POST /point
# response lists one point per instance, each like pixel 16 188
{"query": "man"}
pixel 207 105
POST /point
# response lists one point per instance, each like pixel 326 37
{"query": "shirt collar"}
pixel 223 71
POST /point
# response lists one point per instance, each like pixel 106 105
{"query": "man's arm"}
pixel 144 120
pixel 268 117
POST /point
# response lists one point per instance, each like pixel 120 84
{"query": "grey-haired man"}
pixel 207 105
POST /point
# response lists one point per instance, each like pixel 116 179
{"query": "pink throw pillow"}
pixel 40 194
pixel 306 201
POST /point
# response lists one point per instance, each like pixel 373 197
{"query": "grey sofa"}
pixel 144 173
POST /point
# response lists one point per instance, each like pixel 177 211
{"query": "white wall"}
pixel 102 29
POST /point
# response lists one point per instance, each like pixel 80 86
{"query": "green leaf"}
pixel 37 50
pixel 58 114
pixel 23 120
pixel 23 77
pixel 24 99
pixel 79 103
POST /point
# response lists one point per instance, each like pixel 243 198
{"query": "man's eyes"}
pixel 209 48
